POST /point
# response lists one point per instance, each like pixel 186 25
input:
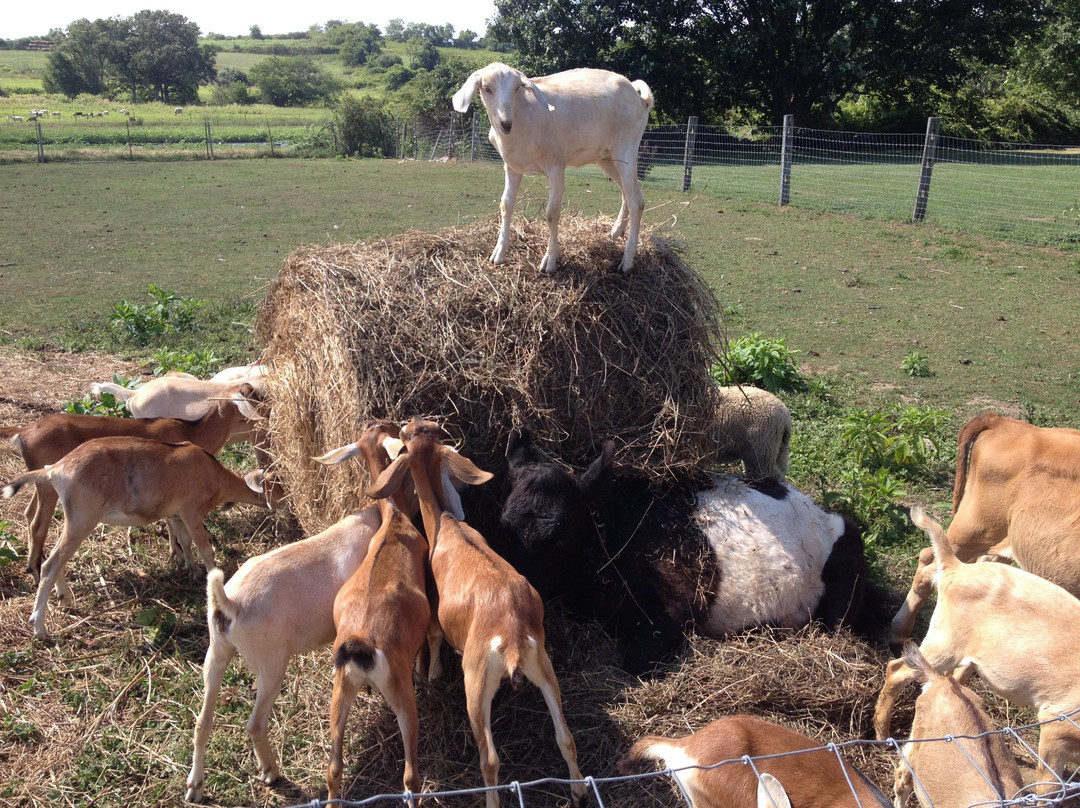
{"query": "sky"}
pixel 25 19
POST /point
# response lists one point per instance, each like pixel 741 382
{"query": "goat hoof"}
pixel 193 793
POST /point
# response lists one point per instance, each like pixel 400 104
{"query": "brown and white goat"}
pixel 259 613
pixel 488 612
pixel 1016 497
pixel 131 482
pixel 813 777
pixel 1016 629
pixel 49 438
pixel 973 768
pixel 382 616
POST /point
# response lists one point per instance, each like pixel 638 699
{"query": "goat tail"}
pixel 646 750
pixel 943 551
pixel 972 429
pixel 645 93
pixel 915 660
pixel 35 477
pixel 220 611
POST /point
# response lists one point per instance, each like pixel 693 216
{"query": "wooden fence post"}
pixel 269 139
pixel 933 127
pixel 786 140
pixel 209 140
pixel 40 144
pixel 688 152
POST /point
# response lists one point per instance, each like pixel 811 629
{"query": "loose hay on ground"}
pixel 422 324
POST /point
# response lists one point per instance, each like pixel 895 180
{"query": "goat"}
pixel 488 612
pixel 133 481
pixel 974 767
pixel 754 426
pixel 178 111
pixel 572 118
pixel 1016 629
pixel 1014 499
pixel 182 395
pixel 51 437
pixel 812 776
pixel 381 616
pixel 260 601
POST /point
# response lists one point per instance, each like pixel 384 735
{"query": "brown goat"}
pixel 975 767
pixel 488 612
pixel 49 438
pixel 130 482
pixel 812 779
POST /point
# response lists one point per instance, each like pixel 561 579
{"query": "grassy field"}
pixel 103 716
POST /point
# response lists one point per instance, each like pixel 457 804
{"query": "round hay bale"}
pixel 423 324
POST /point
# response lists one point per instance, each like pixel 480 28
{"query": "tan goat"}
pixel 1016 497
pixel 49 438
pixel 131 482
pixel 382 617
pixel 488 612
pixel 812 778
pixel 975 767
pixel 278 605
pixel 1016 629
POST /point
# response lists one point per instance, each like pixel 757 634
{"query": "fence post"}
pixel 688 152
pixel 209 140
pixel 40 144
pixel 933 126
pixel 786 140
pixel 475 150
pixel 269 138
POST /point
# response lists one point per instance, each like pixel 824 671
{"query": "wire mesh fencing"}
pixel 1056 792
pixel 1014 191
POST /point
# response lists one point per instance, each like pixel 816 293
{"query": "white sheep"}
pixel 754 426
pixel 572 118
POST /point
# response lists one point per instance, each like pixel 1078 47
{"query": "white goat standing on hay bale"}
pixel 572 118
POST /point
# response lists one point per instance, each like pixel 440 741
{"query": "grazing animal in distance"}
pixel 571 118
pixel 720 556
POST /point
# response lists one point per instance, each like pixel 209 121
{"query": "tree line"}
pixel 999 69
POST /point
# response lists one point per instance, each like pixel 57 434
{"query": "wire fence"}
pixel 1014 191
pixel 1058 791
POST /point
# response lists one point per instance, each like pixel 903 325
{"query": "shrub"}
pixel 201 363
pixel 762 362
pixel 916 364
pixel 168 313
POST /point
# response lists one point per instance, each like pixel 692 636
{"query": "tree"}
pixel 84 60
pixel 290 81
pixel 255 32
pixel 155 55
pixel 357 43
pixel 164 55
pixel 770 56
pixel 422 54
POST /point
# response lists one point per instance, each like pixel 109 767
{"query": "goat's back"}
pixel 812 780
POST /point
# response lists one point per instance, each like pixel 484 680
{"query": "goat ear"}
pixel 393 446
pixel 519 448
pixel 599 471
pixel 463 97
pixel 463 469
pixel 391 478
pixel 770 794
pixel 339 455
pixel 536 91
pixel 244 405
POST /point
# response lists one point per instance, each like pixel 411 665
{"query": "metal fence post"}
pixel 688 152
pixel 40 144
pixel 475 151
pixel 786 140
pixel 933 126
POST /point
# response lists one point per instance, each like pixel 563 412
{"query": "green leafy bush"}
pixel 904 440
pixel 105 404
pixel 202 362
pixel 762 362
pixel 8 544
pixel 168 313
pixel 916 364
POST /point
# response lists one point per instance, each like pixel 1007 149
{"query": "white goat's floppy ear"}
pixel 536 91
pixel 463 97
